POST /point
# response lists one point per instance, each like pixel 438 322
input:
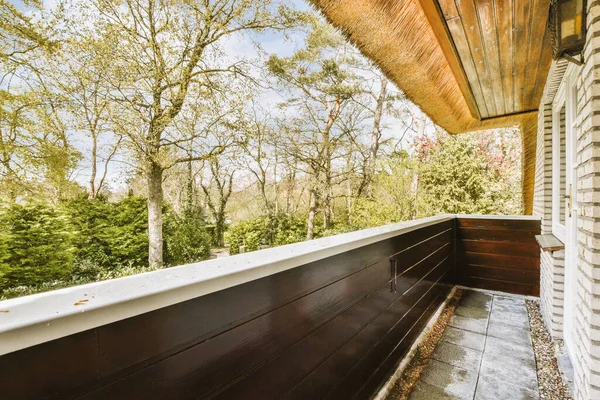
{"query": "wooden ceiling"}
pixel 504 50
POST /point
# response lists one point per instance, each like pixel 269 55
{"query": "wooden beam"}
pixel 528 126
pixel 436 20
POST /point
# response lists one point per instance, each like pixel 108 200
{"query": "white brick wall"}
pixel 587 303
pixel 587 314
pixel 551 264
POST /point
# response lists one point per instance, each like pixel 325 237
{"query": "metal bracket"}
pixel 572 59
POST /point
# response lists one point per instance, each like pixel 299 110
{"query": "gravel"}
pixel 550 380
pixel 415 367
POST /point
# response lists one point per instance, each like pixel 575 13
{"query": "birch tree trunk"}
pixel 312 210
pixel 155 220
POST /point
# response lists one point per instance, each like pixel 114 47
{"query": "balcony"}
pixel 330 318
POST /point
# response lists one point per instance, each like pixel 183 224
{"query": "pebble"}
pixel 551 384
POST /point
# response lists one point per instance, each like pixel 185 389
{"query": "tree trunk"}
pixel 92 194
pixel 189 201
pixel 220 229
pixel 327 206
pixel 375 139
pixel 349 201
pixel 312 209
pixel 155 222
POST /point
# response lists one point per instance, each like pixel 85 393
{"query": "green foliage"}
pixel 98 275
pixel 78 239
pixel 109 234
pixel 458 175
pixel 128 231
pixel 81 240
pixel 393 198
pixel 270 231
pixel 36 243
pixel 187 240
pixel 90 221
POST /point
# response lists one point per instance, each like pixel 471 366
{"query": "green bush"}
pixel 186 238
pixel 100 275
pixel 36 245
pixel 109 234
pixel 265 230
pixel 45 247
pixel 128 233
pixel 90 221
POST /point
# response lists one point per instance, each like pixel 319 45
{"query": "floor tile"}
pixel 518 309
pixel 425 391
pixel 510 319
pixel 490 388
pixel 509 300
pixel 500 347
pixel 453 380
pixel 469 324
pixel 476 300
pixel 470 312
pixel 457 356
pixel 509 332
pixel 485 353
pixel 518 372
pixel 464 338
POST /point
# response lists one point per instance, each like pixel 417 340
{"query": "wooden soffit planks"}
pixel 504 48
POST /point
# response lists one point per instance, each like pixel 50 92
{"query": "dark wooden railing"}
pixel 335 328
pixel 498 254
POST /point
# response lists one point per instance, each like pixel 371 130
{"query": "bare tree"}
pixel 160 51
pixel 320 86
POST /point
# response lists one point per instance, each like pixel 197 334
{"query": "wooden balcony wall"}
pixel 498 254
pixel 328 329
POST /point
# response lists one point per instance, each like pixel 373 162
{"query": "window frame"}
pixel 564 97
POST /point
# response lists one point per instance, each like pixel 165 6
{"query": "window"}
pixel 563 161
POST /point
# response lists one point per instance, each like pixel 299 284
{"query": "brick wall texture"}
pixel 586 354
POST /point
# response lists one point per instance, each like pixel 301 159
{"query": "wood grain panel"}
pixel 522 36
pixel 242 351
pixel 500 224
pixel 504 248
pixel 288 324
pixel 496 235
pixel 51 370
pixel 502 40
pixel 502 286
pixel 489 33
pixel 197 320
pixel 498 254
pixel 432 12
pixel 504 17
pixel 363 370
pixel 472 29
pixel 435 297
pixel 534 64
pixel 501 260
pixel 525 275
pixel 461 42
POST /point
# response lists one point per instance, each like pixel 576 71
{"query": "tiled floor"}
pixel 485 353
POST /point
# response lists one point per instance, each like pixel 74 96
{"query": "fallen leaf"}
pixel 80 302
